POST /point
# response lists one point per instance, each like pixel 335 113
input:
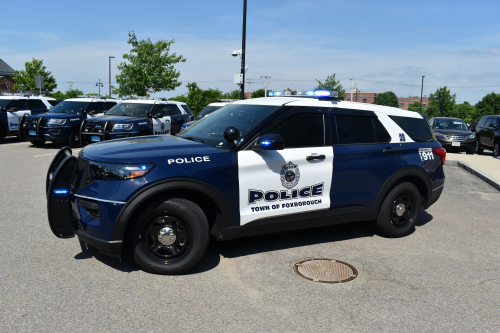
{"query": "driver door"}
pixel 161 126
pixel 291 181
pixel 14 117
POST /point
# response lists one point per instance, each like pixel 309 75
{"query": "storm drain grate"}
pixel 325 270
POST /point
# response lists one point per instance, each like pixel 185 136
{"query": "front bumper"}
pixel 464 145
pixel 62 210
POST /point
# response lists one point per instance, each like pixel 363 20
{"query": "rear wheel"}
pixel 400 211
pixel 37 143
pixel 496 149
pixel 74 138
pixel 171 237
pixel 479 150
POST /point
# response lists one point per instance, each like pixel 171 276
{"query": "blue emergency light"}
pixel 61 192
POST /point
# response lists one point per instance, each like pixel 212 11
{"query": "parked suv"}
pixel 14 106
pixel 255 166
pixel 488 135
pixel 453 133
pixel 62 123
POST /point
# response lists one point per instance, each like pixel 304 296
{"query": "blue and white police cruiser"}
pixel 137 117
pixel 14 106
pixel 208 110
pixel 62 123
pixel 255 166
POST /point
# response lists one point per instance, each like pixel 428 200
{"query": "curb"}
pixel 493 182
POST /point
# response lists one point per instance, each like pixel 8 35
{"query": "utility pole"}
pixel 264 80
pixel 352 87
pixel 70 85
pixel 249 89
pixel 421 93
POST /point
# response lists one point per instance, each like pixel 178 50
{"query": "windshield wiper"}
pixel 192 139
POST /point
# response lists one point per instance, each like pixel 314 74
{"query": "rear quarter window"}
pixel 417 128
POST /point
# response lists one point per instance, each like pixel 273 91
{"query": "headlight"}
pixel 472 136
pixel 438 134
pixel 110 171
pixel 123 126
pixel 56 121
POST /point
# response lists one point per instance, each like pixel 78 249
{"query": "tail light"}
pixel 441 152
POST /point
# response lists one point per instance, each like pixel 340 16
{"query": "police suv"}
pixel 62 123
pixel 137 117
pixel 14 106
pixel 208 110
pixel 255 166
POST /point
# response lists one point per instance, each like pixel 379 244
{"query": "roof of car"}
pixel 85 99
pixel 26 97
pixel 152 101
pixel 304 101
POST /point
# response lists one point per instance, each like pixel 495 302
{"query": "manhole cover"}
pixel 325 270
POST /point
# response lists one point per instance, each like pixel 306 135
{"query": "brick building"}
pixel 369 97
pixel 6 78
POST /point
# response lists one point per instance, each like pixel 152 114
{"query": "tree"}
pixel 68 94
pixel 198 98
pixel 149 68
pixel 259 93
pixel 387 98
pixel 25 79
pixel 234 94
pixel 489 104
pixel 442 103
pixel 416 107
pixel 331 84
pixel 466 111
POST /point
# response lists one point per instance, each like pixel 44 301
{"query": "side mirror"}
pixel 14 109
pixel 269 142
pixel 158 115
pixel 231 134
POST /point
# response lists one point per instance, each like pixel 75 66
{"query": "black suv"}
pixel 453 133
pixel 488 134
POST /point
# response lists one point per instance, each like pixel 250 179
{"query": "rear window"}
pixel 417 128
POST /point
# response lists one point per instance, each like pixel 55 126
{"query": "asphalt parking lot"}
pixel 444 277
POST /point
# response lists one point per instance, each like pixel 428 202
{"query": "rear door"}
pixel 290 181
pixel 161 126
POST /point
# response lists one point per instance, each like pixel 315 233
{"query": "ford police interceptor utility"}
pixel 14 106
pixel 255 166
pixel 208 110
pixel 62 123
pixel 137 117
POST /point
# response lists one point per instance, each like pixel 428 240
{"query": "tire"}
pixel 74 138
pixel 479 150
pixel 2 135
pixel 37 143
pixel 496 149
pixel 389 221
pixel 180 217
pixel 470 152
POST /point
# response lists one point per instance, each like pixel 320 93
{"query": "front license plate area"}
pixel 95 138
pixel 455 144
pixel 32 132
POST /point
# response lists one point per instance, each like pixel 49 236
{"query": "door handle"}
pixel 315 158
pixel 389 150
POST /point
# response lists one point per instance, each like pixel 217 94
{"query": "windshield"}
pixel 4 102
pixel 450 124
pixel 70 107
pixel 242 116
pixel 130 109
pixel 206 110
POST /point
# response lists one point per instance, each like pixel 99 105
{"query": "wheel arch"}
pixel 413 175
pixel 145 130
pixel 211 201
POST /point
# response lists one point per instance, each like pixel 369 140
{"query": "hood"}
pixel 453 132
pixel 57 115
pixel 119 119
pixel 143 149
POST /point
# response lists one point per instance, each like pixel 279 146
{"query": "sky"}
pixel 382 45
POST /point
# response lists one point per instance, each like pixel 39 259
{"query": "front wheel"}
pixel 479 150
pixel 400 211
pixel 171 237
pixel 496 149
pixel 74 138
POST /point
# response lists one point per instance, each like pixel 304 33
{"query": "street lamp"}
pixel 110 75
pixel 241 52
pixel 99 84
pixel 421 93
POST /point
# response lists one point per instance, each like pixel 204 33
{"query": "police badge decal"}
pixel 290 175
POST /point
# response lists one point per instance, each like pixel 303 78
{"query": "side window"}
pixel 431 122
pixel 36 104
pixel 20 104
pixel 381 134
pixel 301 130
pixel 174 109
pixel 187 109
pixel 161 109
pixel 488 122
pixel 417 128
pixel 494 122
pixel 109 105
pixel 97 106
pixel 354 129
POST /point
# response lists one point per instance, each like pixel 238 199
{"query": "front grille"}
pixel 30 122
pixel 81 179
pixel 95 127
pixel 455 137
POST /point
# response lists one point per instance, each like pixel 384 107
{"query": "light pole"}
pixel 242 87
pixel 99 84
pixel 110 75
pixel 421 93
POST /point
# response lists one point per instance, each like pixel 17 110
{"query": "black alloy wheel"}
pixel 496 149
pixel 74 138
pixel 400 211
pixel 166 239
pixel 479 150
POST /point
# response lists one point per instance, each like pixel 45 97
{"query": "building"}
pixel 369 97
pixel 6 78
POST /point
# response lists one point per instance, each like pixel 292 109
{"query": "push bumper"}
pixel 61 218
